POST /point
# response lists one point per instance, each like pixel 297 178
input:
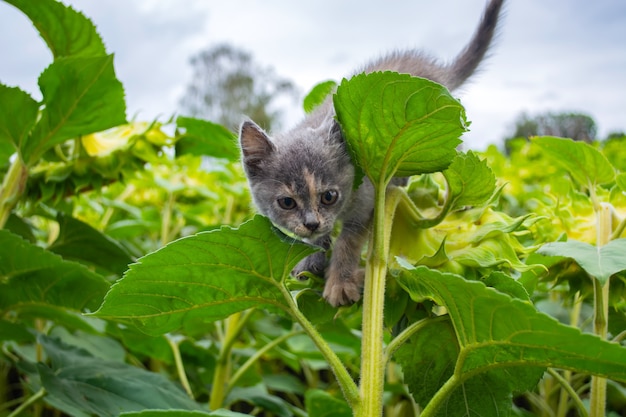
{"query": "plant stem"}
pixel 407 333
pixel 234 324
pixel 32 400
pixel 601 309
pixel 345 381
pixel 372 353
pixel 440 396
pixel 13 186
pixel 257 355
pixel 180 369
pixel 582 411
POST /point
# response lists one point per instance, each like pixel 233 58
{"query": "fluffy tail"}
pixel 460 69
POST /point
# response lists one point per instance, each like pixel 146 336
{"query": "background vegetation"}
pixel 507 263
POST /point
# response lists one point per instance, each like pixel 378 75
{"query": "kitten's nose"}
pixel 312 225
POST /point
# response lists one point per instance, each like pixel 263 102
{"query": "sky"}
pixel 556 55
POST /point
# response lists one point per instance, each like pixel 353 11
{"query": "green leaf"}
pixel 321 404
pixel 497 331
pixel 204 138
pixel 398 125
pixel 258 396
pixel 621 181
pixel 79 241
pixel 428 361
pixel 18 112
pixel 182 413
pixel 65 31
pixel 17 332
pixel 79 381
pixel 470 179
pixel 81 95
pixel 599 262
pixel 206 277
pixel 587 165
pixel 30 275
pixel 318 94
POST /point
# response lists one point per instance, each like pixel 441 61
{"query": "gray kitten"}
pixel 302 179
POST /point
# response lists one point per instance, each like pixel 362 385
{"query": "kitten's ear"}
pixel 255 145
pixel 335 132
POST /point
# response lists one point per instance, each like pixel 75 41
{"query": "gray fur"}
pixel 309 166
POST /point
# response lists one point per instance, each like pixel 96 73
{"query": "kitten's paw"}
pixel 314 264
pixel 340 291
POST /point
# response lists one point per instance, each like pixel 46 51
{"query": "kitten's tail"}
pixel 471 56
pixel 452 75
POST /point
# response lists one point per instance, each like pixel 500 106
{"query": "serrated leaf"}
pixel 81 95
pixel 495 330
pixel 471 180
pixel 206 277
pixel 204 138
pixel 398 125
pixel 18 112
pixel 599 262
pixel 428 361
pixel 321 404
pixel 79 241
pixel 93 386
pixel 30 275
pixel 65 30
pixel 318 94
pixel 587 165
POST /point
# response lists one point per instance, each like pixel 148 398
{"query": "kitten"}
pixel 302 180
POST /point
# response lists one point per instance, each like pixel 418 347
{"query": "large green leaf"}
pixel 206 277
pixel 77 382
pixel 321 404
pixel 65 31
pixel 428 361
pixel 399 125
pixel 587 165
pixel 471 181
pixel 81 96
pixel 182 413
pixel 79 241
pixel 18 112
pixel 204 138
pixel 31 276
pixel 495 330
pixel 599 262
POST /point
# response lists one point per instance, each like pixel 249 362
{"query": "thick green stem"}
pixel 345 381
pixel 13 187
pixel 601 310
pixel 372 352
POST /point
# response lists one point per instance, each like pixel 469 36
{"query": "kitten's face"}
pixel 301 182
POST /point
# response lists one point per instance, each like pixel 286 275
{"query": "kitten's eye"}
pixel 287 203
pixel 329 197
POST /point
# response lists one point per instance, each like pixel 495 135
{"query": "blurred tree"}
pixel 577 126
pixel 227 85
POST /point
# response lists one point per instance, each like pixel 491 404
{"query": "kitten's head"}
pixel 301 180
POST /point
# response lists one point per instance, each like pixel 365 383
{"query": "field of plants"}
pixel 136 280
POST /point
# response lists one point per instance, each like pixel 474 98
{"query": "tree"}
pixel 577 126
pixel 228 85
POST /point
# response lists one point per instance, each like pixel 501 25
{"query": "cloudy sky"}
pixel 556 55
